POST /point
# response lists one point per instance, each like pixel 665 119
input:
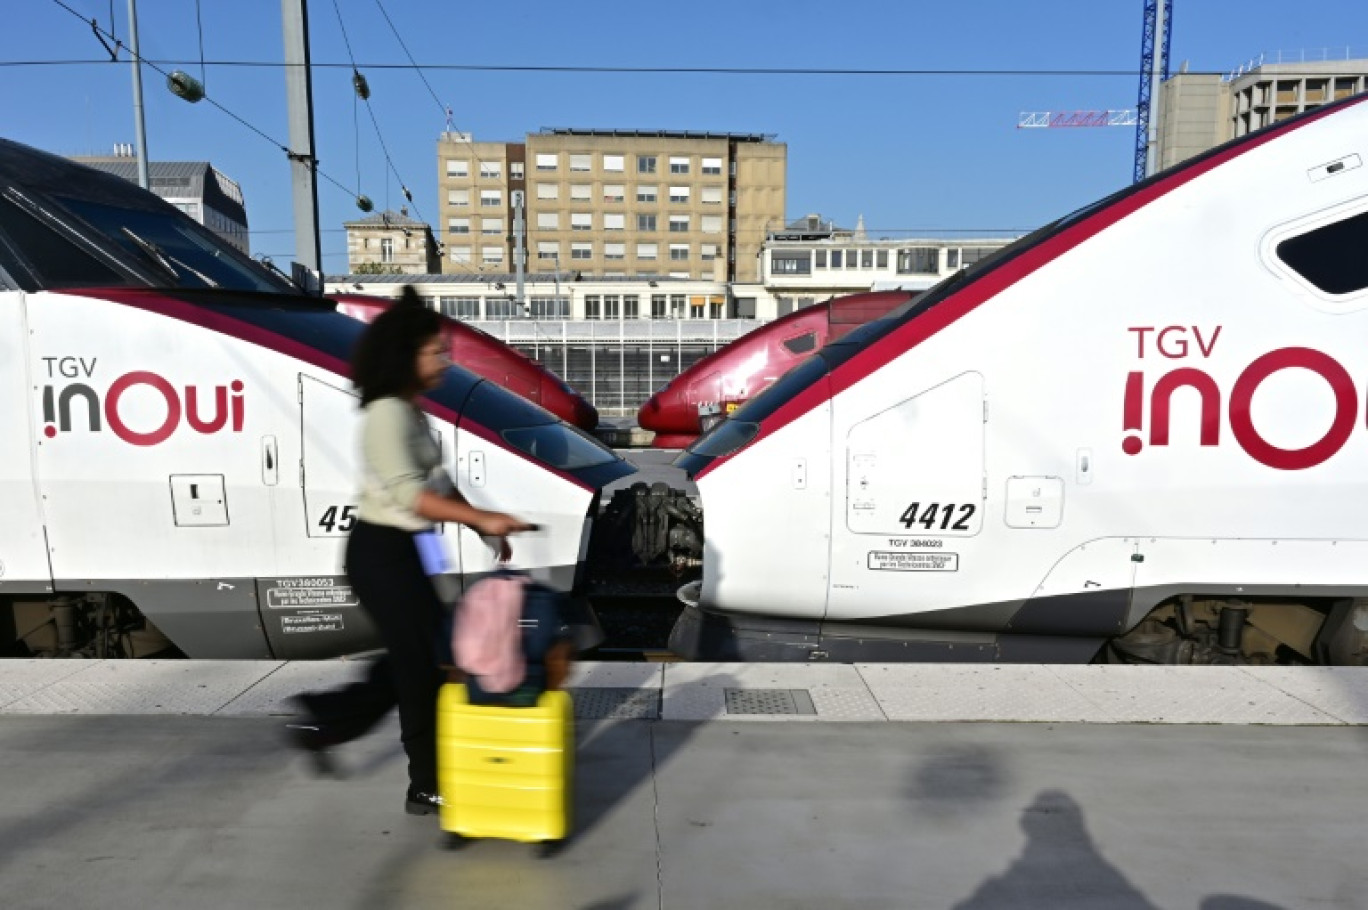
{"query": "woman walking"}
pixel 404 492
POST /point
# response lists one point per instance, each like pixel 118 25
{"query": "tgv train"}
pixel 721 381
pixel 179 456
pixel 1137 434
pixel 487 356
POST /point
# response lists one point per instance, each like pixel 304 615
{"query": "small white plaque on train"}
pixel 914 562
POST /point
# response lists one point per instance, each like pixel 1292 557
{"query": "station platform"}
pixel 168 784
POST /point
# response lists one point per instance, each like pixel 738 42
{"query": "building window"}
pixel 546 162
pixel 696 307
pixel 581 251
pixel 548 249
pixel 491 170
pixel 548 190
pixel 386 249
pixel 952 258
pixel 791 262
pixel 548 221
pixel 630 307
pixel 613 163
pixel 581 221
pixel 835 259
pixel 972 254
pixel 866 259
pixel 614 221
pixel 819 259
pixel 679 224
pixel 458 197
pixel 459 307
pixel 882 259
pixel 712 166
pixel 581 192
pixel 647 250
pixel 711 224
pixel 491 255
pixel 491 198
pixel 679 194
pixel 550 307
pixel 679 165
pixel 460 254
pixel 500 308
pixel 581 163
pixel 458 225
pixel 707 252
pixel 591 307
pixel 646 164
pixel 677 305
pixel 852 259
pixel 491 226
pixel 714 307
pixel 458 167
pixel 711 195
pixel 611 309
pixel 658 310
pixel 920 260
pixel 615 251
pixel 614 192
pixel 646 222
pixel 679 252
pixel 647 193
pixel 515 170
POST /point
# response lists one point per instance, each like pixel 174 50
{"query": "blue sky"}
pixel 911 153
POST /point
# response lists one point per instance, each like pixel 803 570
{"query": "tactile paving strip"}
pixel 602 703
pixel 769 701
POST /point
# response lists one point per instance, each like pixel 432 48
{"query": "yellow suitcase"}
pixel 505 772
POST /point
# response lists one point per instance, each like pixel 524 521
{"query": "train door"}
pixel 309 608
pixel 910 496
pixel 23 549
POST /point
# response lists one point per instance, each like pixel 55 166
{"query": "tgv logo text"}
pixel 1174 343
pixel 158 405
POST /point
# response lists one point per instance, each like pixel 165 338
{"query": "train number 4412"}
pixel 937 516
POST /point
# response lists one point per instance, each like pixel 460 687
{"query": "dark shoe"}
pixel 419 802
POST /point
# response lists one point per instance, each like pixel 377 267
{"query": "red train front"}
pixel 487 356
pixel 720 382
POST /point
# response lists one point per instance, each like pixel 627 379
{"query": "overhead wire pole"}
pixel 140 125
pixel 303 163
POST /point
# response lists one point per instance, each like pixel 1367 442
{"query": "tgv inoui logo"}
pixel 1171 343
pixel 156 402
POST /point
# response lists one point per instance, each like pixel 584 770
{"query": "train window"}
pixel 177 247
pixel 727 437
pixel 559 445
pixel 1334 258
pixel 801 344
pixel 54 261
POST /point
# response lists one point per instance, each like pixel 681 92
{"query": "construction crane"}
pixel 1068 119
pixel 1154 66
pixel 1158 28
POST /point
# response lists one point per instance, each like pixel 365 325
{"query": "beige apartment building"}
pixel 612 203
pixel 1201 110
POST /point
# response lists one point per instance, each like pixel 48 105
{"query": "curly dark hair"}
pixel 385 361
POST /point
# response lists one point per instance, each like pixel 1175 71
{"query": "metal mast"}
pixel 299 96
pixel 1154 69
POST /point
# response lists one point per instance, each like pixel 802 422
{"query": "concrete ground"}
pixel 144 801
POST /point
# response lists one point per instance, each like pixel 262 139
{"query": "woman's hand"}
pixel 497 524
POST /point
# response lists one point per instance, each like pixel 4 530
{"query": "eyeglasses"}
pixel 441 351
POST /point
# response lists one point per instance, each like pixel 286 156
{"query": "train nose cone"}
pixel 586 415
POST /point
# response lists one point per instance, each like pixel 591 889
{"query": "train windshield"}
pixel 535 432
pixel 175 247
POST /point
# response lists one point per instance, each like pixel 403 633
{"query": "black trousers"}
pixel 386 574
